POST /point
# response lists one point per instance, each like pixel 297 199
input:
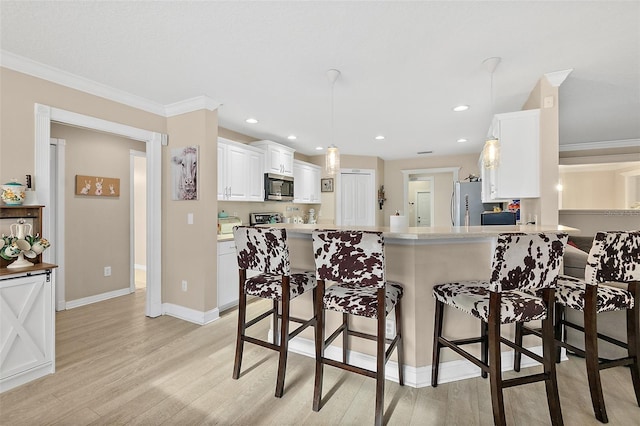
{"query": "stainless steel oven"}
pixel 278 187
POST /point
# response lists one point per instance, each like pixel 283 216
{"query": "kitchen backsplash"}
pixel 242 209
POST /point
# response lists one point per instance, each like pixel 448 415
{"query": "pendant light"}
pixel 332 158
pixel 491 150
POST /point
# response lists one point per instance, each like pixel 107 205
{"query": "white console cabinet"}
pixel 278 158
pixel 240 176
pixel 306 178
pixel 518 174
pixel 27 325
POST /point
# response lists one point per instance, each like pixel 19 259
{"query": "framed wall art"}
pixel 184 173
pixel 97 186
pixel 326 185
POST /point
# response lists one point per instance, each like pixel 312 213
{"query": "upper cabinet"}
pixel 306 178
pixel 518 173
pixel 240 175
pixel 278 158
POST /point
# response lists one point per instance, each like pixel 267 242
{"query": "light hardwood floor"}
pixel 115 366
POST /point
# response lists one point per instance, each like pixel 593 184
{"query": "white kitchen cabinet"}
pixel 227 275
pixel 27 325
pixel 278 158
pixel 518 174
pixel 306 179
pixel 240 176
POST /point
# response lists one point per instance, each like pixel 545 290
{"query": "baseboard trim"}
pixel 97 298
pixel 21 378
pixel 191 315
pixel 450 371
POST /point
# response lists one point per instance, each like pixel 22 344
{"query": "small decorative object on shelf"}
pixel 13 193
pixel 21 244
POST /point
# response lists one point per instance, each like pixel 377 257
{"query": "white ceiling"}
pixel 404 64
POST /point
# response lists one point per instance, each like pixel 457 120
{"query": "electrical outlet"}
pixel 107 271
pixel 184 285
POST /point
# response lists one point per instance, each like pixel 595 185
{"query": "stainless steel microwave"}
pixel 278 187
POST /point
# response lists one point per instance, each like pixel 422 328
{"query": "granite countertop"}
pixel 434 233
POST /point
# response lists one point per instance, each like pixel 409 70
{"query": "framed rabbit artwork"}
pixel 97 186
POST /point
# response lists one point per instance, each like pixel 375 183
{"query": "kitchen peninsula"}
pixel 418 258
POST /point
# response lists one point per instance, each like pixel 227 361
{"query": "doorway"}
pixel 440 183
pixel 424 201
pixel 44 116
pixel 355 198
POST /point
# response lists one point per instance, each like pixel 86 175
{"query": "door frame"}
pixel 132 218
pixel 372 197
pixel 406 174
pixel 44 116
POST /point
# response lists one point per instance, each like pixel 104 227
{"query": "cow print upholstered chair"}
pixel 354 262
pixel 521 288
pixel 265 250
pixel 612 283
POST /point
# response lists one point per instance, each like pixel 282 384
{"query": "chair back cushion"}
pixel 349 257
pixel 527 261
pixel 262 249
pixel 614 256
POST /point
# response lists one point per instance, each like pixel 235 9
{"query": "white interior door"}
pixel 424 202
pixel 357 199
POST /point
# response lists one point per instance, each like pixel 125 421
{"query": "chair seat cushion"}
pixel 472 297
pixel 570 292
pixel 359 300
pixel 269 286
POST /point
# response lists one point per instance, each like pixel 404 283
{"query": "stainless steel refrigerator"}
pixel 468 196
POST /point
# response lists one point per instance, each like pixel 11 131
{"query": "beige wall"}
pixel 591 221
pixel 192 249
pixel 97 228
pixel 19 93
pixel 394 182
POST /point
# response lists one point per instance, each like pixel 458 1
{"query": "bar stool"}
pixel 266 250
pixel 614 258
pixel 521 263
pixel 355 262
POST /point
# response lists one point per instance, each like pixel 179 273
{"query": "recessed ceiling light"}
pixel 292 137
pixel 460 108
pixel 251 120
pixel 462 140
pixel 319 148
pixel 379 137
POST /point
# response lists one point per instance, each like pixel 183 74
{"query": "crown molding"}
pixel 556 78
pixel 36 69
pixel 189 105
pixel 583 146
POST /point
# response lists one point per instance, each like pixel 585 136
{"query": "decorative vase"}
pixel 13 193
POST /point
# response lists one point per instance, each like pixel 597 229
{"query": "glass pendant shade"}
pixel 491 153
pixel 332 158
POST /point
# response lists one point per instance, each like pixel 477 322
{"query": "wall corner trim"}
pixel 191 315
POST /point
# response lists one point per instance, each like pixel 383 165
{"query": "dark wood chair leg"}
pixel 633 337
pixel 276 334
pixel 558 317
pixel 437 333
pixel 319 335
pixel 284 337
pixel 399 348
pixel 484 346
pixel 345 336
pixel 591 354
pixel 549 364
pixel 517 356
pixel 380 357
pixel 242 318
pixel 495 373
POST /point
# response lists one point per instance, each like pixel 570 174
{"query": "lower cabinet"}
pixel 227 275
pixel 27 328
